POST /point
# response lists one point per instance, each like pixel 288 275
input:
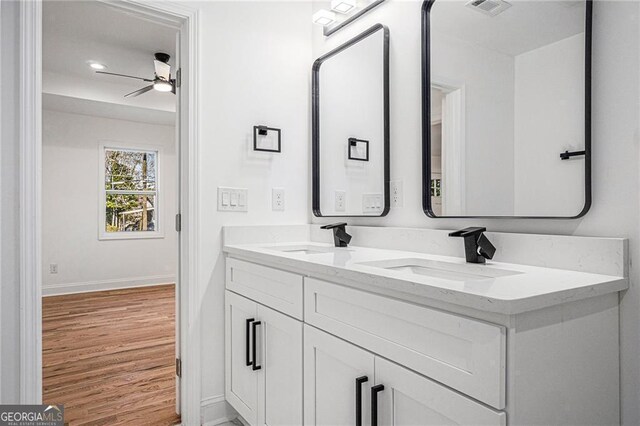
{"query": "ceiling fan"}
pixel 162 82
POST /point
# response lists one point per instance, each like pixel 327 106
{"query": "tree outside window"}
pixel 131 190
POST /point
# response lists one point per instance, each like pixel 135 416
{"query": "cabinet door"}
pixel 409 399
pixel 280 379
pixel 241 380
pixel 331 367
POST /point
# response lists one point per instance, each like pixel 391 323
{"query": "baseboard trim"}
pixel 215 411
pixel 102 285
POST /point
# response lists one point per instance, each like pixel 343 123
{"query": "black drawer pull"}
pixel 253 349
pixel 359 381
pixel 248 332
pixel 374 403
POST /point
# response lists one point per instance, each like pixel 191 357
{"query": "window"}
pixel 129 197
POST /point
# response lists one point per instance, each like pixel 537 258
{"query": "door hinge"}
pixel 179 77
pixel 178 222
pixel 178 367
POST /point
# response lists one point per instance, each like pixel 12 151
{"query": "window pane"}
pixel 130 170
pixel 130 213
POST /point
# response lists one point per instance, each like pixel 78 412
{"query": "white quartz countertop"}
pixel 526 288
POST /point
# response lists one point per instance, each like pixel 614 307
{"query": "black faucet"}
pixel 340 236
pixel 477 246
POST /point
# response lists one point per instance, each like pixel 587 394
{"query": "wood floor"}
pixel 109 356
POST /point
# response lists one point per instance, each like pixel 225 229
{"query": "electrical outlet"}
pixel 397 199
pixel 341 201
pixel 53 268
pixel 277 199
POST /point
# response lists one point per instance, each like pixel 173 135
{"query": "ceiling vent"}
pixel 489 7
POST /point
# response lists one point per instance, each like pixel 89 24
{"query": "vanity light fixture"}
pixel 343 6
pixel 97 65
pixel 324 17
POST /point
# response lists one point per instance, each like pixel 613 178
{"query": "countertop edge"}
pixel 405 287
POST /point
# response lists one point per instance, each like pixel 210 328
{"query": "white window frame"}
pixel 102 192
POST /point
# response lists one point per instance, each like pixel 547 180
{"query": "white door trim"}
pixel 30 202
pixel 186 21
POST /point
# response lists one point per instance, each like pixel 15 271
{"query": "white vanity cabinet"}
pixel 263 350
pixel 324 346
pixel 342 381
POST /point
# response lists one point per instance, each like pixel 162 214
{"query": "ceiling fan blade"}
pixel 139 92
pixel 163 70
pixel 124 75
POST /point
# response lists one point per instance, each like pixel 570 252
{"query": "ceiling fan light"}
pixel 162 86
pixel 97 66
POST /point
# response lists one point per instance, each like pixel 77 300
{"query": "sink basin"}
pixel 443 270
pixel 302 249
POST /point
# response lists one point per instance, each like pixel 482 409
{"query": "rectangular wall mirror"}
pixel 506 108
pixel 351 127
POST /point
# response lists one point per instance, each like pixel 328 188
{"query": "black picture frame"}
pixel 263 130
pixel 315 121
pixel 426 120
pixel 354 142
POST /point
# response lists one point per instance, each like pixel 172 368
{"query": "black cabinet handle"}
pixel 253 349
pixel 359 381
pixel 248 333
pixel 374 403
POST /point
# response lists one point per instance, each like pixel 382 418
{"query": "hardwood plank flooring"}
pixel 109 356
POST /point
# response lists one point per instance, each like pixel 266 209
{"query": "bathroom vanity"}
pixel 397 329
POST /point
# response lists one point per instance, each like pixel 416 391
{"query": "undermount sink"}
pixel 302 249
pixel 443 270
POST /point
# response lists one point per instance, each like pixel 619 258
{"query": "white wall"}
pixel 549 119
pixel 616 114
pixel 70 199
pixel 254 68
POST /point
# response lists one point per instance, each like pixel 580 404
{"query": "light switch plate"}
pixel 232 199
pixel 277 199
pixel 372 203
pixel 341 201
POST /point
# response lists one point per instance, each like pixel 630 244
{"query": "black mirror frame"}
pixel 426 120
pixel 315 116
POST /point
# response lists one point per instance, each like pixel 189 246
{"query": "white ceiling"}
pixel 526 25
pixel 75 32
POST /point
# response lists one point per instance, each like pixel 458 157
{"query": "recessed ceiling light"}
pixel 343 6
pixel 324 17
pixel 97 65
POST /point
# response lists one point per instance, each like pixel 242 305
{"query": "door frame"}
pixel 185 20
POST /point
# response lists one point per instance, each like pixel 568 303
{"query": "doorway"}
pixel 110 196
pixel 448 154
